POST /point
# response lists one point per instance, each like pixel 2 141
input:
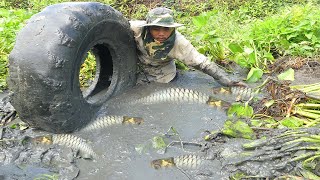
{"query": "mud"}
pixel 125 152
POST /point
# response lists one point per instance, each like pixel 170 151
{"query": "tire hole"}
pixel 96 73
pixel 87 71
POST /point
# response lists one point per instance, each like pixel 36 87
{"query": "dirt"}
pixel 125 152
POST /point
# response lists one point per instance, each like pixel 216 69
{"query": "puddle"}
pixel 117 144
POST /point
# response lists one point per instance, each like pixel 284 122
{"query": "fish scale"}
pixel 174 95
pixel 190 161
pixel 242 92
pixel 75 143
pixel 103 122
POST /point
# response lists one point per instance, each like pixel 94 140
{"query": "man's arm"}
pixel 187 53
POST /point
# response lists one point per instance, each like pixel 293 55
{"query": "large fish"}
pixel 106 121
pixel 181 95
pixel 68 140
pixel 190 161
pixel 241 93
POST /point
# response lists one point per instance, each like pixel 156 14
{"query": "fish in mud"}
pixel 68 140
pixel 190 161
pixel 181 95
pixel 241 93
pixel 105 121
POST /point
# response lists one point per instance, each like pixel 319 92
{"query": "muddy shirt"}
pixel 164 71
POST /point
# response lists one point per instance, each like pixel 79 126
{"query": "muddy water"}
pixel 117 145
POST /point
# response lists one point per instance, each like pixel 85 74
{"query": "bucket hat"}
pixel 160 17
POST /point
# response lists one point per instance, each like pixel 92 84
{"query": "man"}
pixel 159 43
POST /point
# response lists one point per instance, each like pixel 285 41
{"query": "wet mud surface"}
pixel 126 151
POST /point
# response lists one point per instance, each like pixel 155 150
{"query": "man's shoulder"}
pixel 137 22
pixel 136 26
pixel 180 39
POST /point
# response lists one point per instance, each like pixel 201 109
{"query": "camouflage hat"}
pixel 161 17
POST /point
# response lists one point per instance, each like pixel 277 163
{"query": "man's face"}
pixel 160 33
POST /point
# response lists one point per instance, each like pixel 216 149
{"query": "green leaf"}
pixel 287 75
pixel 269 56
pixel 256 122
pixel 308 35
pixel 212 33
pixel 252 58
pixel 158 142
pixel 240 110
pixel 238 129
pixel 200 21
pixel 269 103
pixel 254 75
pixel 292 122
pixel 295 34
pixel 175 132
pixel 248 50
pixel 235 48
pixel 306 47
pixel 14 126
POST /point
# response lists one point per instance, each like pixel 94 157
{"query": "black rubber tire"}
pixel 44 65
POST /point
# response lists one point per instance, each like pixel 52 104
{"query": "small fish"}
pixel 174 95
pixel 190 161
pixel 67 140
pixel 241 93
pixel 106 121
pixel 181 95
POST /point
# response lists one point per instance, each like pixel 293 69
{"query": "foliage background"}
pixel 250 32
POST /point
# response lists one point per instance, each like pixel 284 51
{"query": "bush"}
pixel 11 21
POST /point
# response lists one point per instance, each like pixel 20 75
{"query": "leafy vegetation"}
pixel 294 31
pixel 11 21
pixel 251 33
pixel 87 70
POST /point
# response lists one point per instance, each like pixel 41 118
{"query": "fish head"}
pixel 221 90
pixel 159 163
pixel 132 120
pixel 47 140
pixel 214 102
pixel 85 155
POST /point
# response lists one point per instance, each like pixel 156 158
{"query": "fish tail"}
pixel 103 122
pixel 73 142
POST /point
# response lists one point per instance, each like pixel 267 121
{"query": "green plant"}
pixel 87 70
pixel 211 43
pixel 295 31
pixel 47 177
pixel 11 21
